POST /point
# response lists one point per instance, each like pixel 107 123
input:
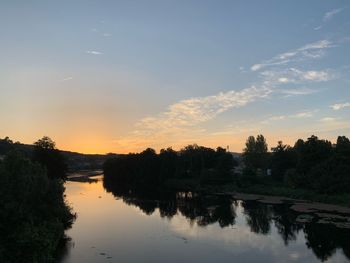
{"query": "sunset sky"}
pixel 120 76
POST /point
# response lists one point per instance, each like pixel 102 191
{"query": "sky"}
pixel 120 76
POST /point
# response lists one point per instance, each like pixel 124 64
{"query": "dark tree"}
pixel 283 158
pixel 49 157
pixel 33 213
pixel 255 153
pixel 312 152
pixel 6 145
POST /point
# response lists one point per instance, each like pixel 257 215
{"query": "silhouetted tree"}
pixel 312 152
pixel 49 157
pixel 6 145
pixel 283 158
pixel 255 153
pixel 33 213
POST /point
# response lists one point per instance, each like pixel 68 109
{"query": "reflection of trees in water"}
pixel 168 208
pixel 285 222
pixel 226 214
pixel 63 249
pixel 258 216
pixel 147 206
pixel 322 239
pixel 205 210
pixel 346 246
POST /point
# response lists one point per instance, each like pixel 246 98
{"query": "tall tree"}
pixel 255 153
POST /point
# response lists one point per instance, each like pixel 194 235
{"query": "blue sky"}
pixel 101 76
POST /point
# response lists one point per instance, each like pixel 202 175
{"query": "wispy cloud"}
pixel 193 111
pixel 182 121
pixel 330 14
pixel 329 119
pixel 298 91
pixel 294 75
pixel 106 34
pixel 278 118
pixel 298 115
pixel 305 114
pixel 340 106
pixel 313 50
pixel 94 52
pixel 278 72
pixel 314 75
pixel 66 79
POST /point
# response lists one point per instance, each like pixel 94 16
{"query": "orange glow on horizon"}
pixel 101 143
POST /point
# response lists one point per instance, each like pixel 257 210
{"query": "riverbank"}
pixel 265 188
pixel 337 199
pixel 309 206
pixel 84 175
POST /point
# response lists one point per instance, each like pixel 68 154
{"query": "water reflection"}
pixel 285 222
pixel 322 239
pixel 325 239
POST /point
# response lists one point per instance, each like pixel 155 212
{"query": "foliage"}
pixel 255 153
pixel 311 153
pixel 51 158
pixel 33 213
pixel 148 169
pixel 6 145
pixel 283 158
pixel 321 166
pixel 313 164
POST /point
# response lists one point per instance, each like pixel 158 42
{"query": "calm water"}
pixel 124 227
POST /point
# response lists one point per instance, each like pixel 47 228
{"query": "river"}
pixel 122 227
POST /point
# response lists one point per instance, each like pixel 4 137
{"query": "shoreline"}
pixel 84 176
pixel 262 193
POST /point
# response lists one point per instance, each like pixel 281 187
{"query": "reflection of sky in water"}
pixel 108 230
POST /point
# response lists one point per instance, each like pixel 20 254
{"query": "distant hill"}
pixel 75 161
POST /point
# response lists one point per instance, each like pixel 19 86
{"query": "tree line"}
pixel 314 164
pixel 33 211
pixel 193 163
